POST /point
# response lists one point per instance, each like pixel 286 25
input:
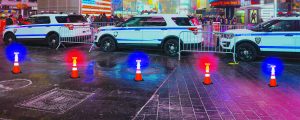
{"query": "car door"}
pixel 154 30
pixel 278 36
pixel 297 36
pixel 130 31
pixel 36 30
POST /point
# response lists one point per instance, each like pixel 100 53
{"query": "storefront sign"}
pixel 253 2
pixel 226 3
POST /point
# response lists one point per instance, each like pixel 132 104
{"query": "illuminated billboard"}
pixel 226 3
pixel 96 7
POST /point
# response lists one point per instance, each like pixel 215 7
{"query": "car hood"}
pixel 239 31
pixel 108 27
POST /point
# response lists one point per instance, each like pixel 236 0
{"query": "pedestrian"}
pixel 104 18
pixel 253 17
pixel 97 19
pixel 9 20
pixel 20 20
pixel 89 19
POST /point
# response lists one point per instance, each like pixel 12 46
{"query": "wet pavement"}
pixel 105 78
pixel 171 89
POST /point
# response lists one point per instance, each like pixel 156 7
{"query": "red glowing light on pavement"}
pixel 75 54
pixel 207 62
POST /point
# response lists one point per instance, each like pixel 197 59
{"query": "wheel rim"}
pixel 172 48
pixel 52 42
pixel 10 40
pixel 107 45
pixel 245 54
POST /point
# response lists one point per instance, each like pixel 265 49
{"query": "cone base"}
pixel 272 85
pixel 138 80
pixel 74 77
pixel 16 72
pixel 207 83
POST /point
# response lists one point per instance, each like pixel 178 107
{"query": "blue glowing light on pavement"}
pixel 16 47
pixel 138 55
pixel 268 62
pixel 89 72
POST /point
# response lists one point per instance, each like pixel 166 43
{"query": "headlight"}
pixel 227 35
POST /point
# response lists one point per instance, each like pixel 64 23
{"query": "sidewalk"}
pixel 238 93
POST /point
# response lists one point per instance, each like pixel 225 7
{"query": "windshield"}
pixel 70 19
pixel 263 25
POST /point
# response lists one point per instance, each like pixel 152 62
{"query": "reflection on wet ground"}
pixel 106 89
pixel 115 95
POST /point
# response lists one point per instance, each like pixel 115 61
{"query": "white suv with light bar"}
pixel 48 27
pixel 148 30
pixel 276 35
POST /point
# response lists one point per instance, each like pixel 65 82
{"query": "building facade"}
pixel 25 7
pixel 159 6
pixel 91 7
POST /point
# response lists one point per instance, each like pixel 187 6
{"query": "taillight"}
pixel 69 26
pixel 194 29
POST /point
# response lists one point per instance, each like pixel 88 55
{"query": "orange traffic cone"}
pixel 138 73
pixel 16 68
pixel 207 80
pixel 74 73
pixel 273 82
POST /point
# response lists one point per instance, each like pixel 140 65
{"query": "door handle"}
pixel 136 29
pixel 164 29
pixel 288 35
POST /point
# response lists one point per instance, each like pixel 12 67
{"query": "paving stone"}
pixel 150 117
pixel 199 109
pixel 213 114
pixel 201 116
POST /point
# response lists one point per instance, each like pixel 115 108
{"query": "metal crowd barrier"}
pixel 223 28
pixel 84 35
pixel 101 24
pixel 205 42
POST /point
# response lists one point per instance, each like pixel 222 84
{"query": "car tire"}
pixel 171 47
pixel 246 52
pixel 108 44
pixel 53 41
pixel 9 38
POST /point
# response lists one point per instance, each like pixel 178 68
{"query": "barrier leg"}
pixel 179 55
pixel 58 45
pixel 93 45
pixel 63 45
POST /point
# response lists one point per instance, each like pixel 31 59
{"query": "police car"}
pixel 147 30
pixel 280 34
pixel 47 27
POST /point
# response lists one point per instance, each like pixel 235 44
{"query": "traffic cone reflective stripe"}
pixel 207 80
pixel 138 73
pixel 16 68
pixel 273 82
pixel 74 73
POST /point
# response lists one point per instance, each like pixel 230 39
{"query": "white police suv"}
pixel 275 35
pixel 147 30
pixel 47 27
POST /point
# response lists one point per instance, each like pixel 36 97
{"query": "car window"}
pixel 134 22
pixel 283 25
pixel 298 26
pixel 39 20
pixel 182 21
pixel 153 21
pixel 70 19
